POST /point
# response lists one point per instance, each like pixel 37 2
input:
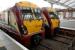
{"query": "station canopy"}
pixel 5 4
pixel 65 3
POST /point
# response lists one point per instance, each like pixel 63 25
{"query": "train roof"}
pixel 26 4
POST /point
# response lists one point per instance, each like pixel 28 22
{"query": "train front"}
pixel 54 18
pixel 53 21
pixel 32 22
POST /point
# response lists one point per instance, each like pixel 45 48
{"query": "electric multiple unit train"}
pixel 27 23
pixel 52 23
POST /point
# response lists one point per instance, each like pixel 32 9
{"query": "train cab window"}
pixel 27 13
pixel 37 13
pixel 53 15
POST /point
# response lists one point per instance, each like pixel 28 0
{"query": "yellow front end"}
pixel 55 23
pixel 54 18
pixel 33 26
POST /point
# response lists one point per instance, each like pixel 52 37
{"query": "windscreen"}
pixel 27 13
pixel 52 15
pixel 37 13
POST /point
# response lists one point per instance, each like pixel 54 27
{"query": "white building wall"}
pixel 67 24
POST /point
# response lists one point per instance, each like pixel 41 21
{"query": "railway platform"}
pixel 8 43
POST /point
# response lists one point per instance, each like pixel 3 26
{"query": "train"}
pixel 52 22
pixel 24 22
pixel 28 23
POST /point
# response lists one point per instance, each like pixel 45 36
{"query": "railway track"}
pixel 48 44
pixel 62 41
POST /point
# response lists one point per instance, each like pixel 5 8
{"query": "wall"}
pixel 67 23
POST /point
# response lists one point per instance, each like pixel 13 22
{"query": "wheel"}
pixel 35 40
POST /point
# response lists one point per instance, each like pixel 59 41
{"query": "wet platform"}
pixel 8 43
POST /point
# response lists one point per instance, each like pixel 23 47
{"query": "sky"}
pixel 5 4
